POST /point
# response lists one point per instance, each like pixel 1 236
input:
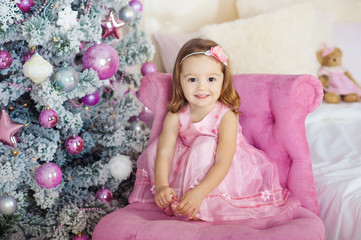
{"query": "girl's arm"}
pixel 165 151
pixel 226 148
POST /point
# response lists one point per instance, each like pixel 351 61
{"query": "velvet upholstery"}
pixel 274 108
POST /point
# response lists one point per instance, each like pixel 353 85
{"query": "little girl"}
pixel 201 167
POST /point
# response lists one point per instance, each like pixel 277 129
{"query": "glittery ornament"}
pixel 111 26
pixel 66 79
pixel 37 68
pixel 5 59
pixel 48 118
pixel 25 5
pixel 127 14
pixel 28 55
pixel 104 195
pixel 103 59
pixel 136 4
pixel 9 129
pixel 74 145
pixel 8 205
pixel 148 67
pixel 91 99
pixel 48 175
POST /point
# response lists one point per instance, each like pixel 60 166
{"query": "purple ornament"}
pixel 5 59
pixel 148 67
pixel 145 115
pixel 104 195
pixel 28 55
pixel 136 5
pixel 103 59
pixel 25 5
pixel 91 99
pixel 48 118
pixel 48 175
pixel 74 145
pixel 81 237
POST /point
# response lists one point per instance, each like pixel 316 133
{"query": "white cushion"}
pixel 280 42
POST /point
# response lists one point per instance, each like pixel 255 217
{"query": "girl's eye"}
pixel 211 79
pixel 192 80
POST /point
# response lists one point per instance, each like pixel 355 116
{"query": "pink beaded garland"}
pixel 48 175
pixel 74 145
pixel 18 86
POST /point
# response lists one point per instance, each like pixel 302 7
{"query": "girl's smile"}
pixel 201 80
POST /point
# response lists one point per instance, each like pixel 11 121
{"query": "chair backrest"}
pixel 274 109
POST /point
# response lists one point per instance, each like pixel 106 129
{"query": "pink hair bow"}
pixel 218 53
pixel 327 50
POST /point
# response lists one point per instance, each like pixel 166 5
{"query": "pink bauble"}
pixel 5 59
pixel 81 237
pixel 103 59
pixel 145 115
pixel 48 118
pixel 25 5
pixel 104 195
pixel 48 175
pixel 91 99
pixel 137 5
pixel 148 67
pixel 28 55
pixel 74 145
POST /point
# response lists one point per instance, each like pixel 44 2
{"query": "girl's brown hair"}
pixel 228 95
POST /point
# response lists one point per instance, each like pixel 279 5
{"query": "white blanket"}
pixel 334 136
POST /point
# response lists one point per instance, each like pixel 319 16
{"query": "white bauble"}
pixel 37 68
pixel 120 167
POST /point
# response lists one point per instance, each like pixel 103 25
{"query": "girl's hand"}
pixel 190 203
pixel 164 196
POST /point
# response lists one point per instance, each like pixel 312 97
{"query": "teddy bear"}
pixel 337 82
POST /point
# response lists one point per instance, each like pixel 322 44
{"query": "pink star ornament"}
pixel 8 129
pixel 111 26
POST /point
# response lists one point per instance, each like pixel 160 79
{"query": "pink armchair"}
pixel 274 108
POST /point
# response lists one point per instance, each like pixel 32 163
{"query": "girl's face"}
pixel 201 79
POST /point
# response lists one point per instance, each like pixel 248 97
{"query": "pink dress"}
pixel 251 188
pixel 338 81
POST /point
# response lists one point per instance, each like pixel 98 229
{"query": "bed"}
pixel 282 37
pixel 334 136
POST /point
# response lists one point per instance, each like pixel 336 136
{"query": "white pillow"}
pixel 169 45
pixel 280 42
pixel 340 10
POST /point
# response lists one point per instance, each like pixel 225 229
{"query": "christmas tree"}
pixel 71 123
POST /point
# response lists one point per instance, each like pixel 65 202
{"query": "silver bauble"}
pixel 127 14
pixel 137 126
pixel 7 205
pixel 66 79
